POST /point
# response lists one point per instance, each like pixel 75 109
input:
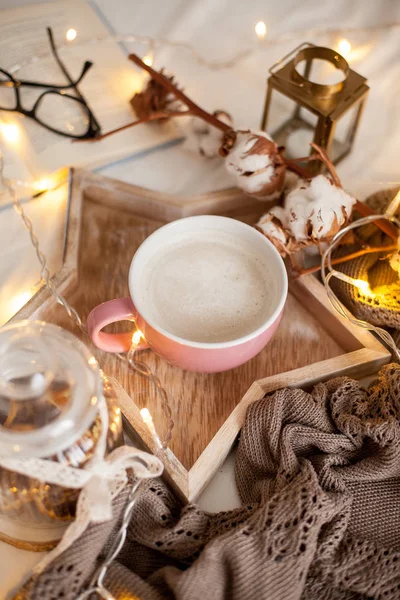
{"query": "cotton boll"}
pixel 209 146
pixel 198 126
pixel 270 226
pixel 254 183
pixel 210 142
pixel 255 162
pixel 324 223
pixel 209 138
pixel 313 212
pixel 279 213
pixel 243 158
pixel 272 230
pixel 329 195
pixel 297 207
pixel 318 208
pixel 331 205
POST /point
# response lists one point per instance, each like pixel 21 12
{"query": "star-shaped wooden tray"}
pixel 107 221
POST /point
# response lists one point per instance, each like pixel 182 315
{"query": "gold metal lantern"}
pixel 326 113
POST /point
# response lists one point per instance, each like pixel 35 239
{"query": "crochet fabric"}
pixel 319 477
pixel 382 309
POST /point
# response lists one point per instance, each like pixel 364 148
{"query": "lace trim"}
pixel 100 481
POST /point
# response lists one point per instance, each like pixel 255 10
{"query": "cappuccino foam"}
pixel 207 288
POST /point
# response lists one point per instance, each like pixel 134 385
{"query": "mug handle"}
pixel 120 309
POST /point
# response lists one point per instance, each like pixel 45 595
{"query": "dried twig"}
pixel 295 168
pixel 320 155
pixel 385 226
pixel 328 163
pixel 196 110
pixel 167 83
pixel 153 117
pixel 303 159
pixel 343 259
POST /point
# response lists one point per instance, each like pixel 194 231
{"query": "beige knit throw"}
pixel 319 477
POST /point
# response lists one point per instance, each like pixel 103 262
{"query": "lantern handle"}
pixel 290 54
pixel 328 55
pixel 308 51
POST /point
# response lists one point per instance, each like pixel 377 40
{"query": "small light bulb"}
pixel 18 301
pixel 261 30
pixel 148 421
pixel 146 416
pixel 363 286
pixel 10 132
pixel 42 185
pixel 71 34
pixel 344 47
pixel 136 337
pixel 148 60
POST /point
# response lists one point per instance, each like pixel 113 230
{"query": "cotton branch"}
pixel 192 106
pixel 343 259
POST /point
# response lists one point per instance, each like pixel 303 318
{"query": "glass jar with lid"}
pixel 50 385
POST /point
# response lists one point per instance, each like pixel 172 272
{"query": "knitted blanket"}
pixel 319 477
pixel 383 307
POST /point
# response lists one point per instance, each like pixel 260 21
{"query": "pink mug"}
pixel 203 356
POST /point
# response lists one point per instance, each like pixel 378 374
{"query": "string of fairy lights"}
pixel 10 130
pixel 342 44
pixel 138 366
pixel 10 133
pixel 328 272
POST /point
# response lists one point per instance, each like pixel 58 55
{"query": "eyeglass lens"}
pixel 62 113
pixel 8 97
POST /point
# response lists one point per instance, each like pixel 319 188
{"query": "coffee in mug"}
pixel 207 293
pixel 207 286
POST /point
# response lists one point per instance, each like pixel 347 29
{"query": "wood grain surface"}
pixel 107 225
pixel 201 402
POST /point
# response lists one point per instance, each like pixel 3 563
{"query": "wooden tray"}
pixel 107 221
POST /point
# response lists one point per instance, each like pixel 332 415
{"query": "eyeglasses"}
pixel 55 109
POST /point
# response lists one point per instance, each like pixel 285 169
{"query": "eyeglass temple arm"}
pixel 68 76
pixel 88 64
